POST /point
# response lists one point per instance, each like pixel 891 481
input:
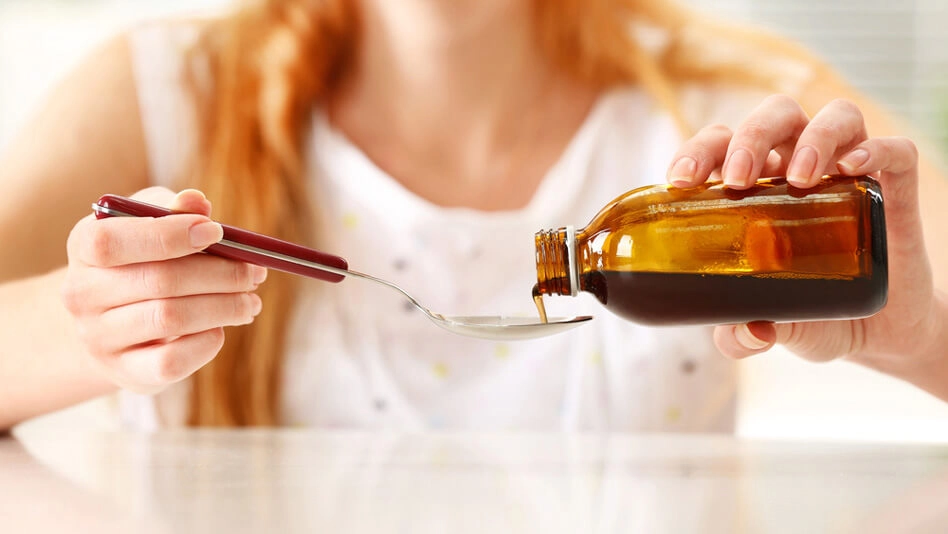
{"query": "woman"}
pixel 426 143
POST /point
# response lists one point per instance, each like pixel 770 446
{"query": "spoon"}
pixel 250 247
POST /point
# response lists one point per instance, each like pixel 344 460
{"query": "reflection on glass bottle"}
pixel 714 255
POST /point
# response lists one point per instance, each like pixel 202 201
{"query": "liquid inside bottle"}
pixel 713 255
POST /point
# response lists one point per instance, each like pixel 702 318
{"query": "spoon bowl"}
pixel 243 245
pixel 500 328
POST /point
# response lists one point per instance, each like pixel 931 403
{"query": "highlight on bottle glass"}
pixel 660 255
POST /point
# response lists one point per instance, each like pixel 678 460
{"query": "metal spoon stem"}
pixel 329 269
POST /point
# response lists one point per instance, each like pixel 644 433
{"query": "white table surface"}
pixel 310 481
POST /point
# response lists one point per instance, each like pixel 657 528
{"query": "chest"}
pixel 360 356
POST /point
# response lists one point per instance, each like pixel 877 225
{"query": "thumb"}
pixel 191 201
pixel 187 201
pixel 742 340
pixel 814 341
pixel 159 196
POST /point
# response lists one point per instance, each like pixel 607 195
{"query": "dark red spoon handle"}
pixel 257 248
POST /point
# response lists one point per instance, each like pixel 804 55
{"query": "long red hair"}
pixel 262 71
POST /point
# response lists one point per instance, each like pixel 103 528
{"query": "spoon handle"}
pixel 241 245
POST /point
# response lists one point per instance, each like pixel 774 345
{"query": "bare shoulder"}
pixel 83 140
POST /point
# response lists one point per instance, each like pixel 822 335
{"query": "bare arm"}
pixel 134 306
pixel 85 140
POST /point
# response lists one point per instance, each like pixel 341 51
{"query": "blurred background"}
pixel 896 52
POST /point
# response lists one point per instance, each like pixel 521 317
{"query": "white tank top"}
pixel 358 356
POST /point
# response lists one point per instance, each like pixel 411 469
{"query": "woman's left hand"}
pixel 779 139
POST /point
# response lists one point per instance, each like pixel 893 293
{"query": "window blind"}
pixel 895 52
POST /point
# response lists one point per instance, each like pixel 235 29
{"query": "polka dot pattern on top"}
pixel 357 358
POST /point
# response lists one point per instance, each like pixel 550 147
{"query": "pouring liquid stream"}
pixel 538 300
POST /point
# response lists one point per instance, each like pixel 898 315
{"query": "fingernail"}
pixel 259 274
pixel 683 172
pixel 737 168
pixel 256 304
pixel 802 166
pixel 748 340
pixel 854 160
pixel 205 234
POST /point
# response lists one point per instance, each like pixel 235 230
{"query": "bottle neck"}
pixel 557 268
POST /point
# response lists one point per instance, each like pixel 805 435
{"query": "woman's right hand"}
pixel 148 310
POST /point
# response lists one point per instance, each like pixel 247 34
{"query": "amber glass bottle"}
pixel 713 255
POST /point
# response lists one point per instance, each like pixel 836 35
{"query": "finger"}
pixel 819 341
pixel 155 366
pixel 776 163
pixel 896 161
pixel 159 196
pixel 834 130
pixel 743 340
pixel 100 289
pixel 699 156
pixel 187 201
pixel 126 240
pixel 897 155
pixel 191 201
pixel 814 341
pixel 148 321
pixel 777 121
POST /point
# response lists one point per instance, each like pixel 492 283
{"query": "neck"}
pixel 441 80
pixel 422 61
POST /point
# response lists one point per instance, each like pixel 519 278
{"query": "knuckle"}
pixel 847 106
pixel 781 100
pixel 85 334
pixel 908 146
pixel 710 138
pixel 159 281
pixel 789 108
pixel 824 129
pixel 164 244
pixel 92 342
pixel 73 241
pixel 716 130
pixel 216 339
pixel 98 248
pixel 243 307
pixel 886 150
pixel 72 296
pixel 166 318
pixel 241 275
pixel 752 130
